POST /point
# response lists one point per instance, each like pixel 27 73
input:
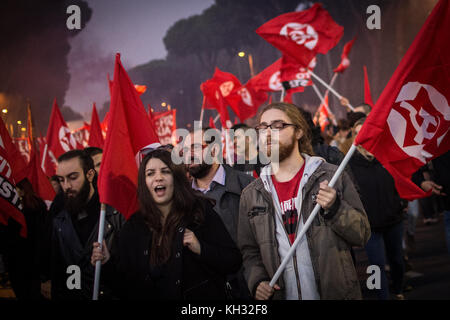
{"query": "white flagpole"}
pixel 43 157
pixel 283 91
pixel 98 263
pixel 329 88
pixel 216 118
pixel 227 146
pixel 311 217
pixel 202 112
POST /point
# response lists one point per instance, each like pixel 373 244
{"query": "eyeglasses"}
pixel 274 126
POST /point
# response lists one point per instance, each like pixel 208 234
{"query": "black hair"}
pixel 92 151
pixel 85 159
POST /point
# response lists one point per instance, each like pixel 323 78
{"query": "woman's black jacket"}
pixel 186 275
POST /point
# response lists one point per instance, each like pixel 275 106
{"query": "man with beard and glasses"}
pixel 274 208
pixel 219 182
pixel 75 229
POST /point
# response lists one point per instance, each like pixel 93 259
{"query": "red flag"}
pixel 165 124
pixel 409 124
pixel 211 123
pixel 22 147
pixel 228 86
pixel 39 181
pixel 246 101
pixel 59 140
pixel 10 205
pixel 104 123
pixel 302 34
pixel 345 62
pixel 288 96
pixel 367 95
pixel 291 70
pixel 213 99
pixel 81 135
pixel 269 78
pixel 95 132
pixel 129 131
pixel 322 117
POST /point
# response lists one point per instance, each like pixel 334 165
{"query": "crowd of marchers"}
pixel 220 230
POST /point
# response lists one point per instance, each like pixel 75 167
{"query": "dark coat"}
pixel 67 250
pixel 22 254
pixel 441 176
pixel 377 192
pixel 227 200
pixel 186 276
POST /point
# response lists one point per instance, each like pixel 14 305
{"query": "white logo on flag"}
pixel 274 81
pixel 398 124
pixel 246 96
pixel 302 34
pixel 66 139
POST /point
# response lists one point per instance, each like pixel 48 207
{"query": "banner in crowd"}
pixel 10 204
pixel 81 135
pixel 23 147
pixel 165 125
pixel 59 140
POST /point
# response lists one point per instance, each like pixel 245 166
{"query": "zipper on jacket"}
pixel 297 277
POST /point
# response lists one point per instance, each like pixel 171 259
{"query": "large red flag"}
pixel 10 205
pixel 59 140
pixel 345 61
pixel 367 94
pixel 129 131
pixel 409 124
pixel 302 34
pixel 95 132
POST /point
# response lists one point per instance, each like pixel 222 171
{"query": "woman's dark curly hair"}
pixel 187 206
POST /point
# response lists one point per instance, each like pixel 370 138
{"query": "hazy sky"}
pixel 135 28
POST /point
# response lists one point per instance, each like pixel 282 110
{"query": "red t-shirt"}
pixel 287 192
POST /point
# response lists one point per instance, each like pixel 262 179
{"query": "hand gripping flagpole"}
pixel 98 263
pixel 329 88
pixel 311 217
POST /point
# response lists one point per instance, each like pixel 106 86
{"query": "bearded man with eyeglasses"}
pixel 274 208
